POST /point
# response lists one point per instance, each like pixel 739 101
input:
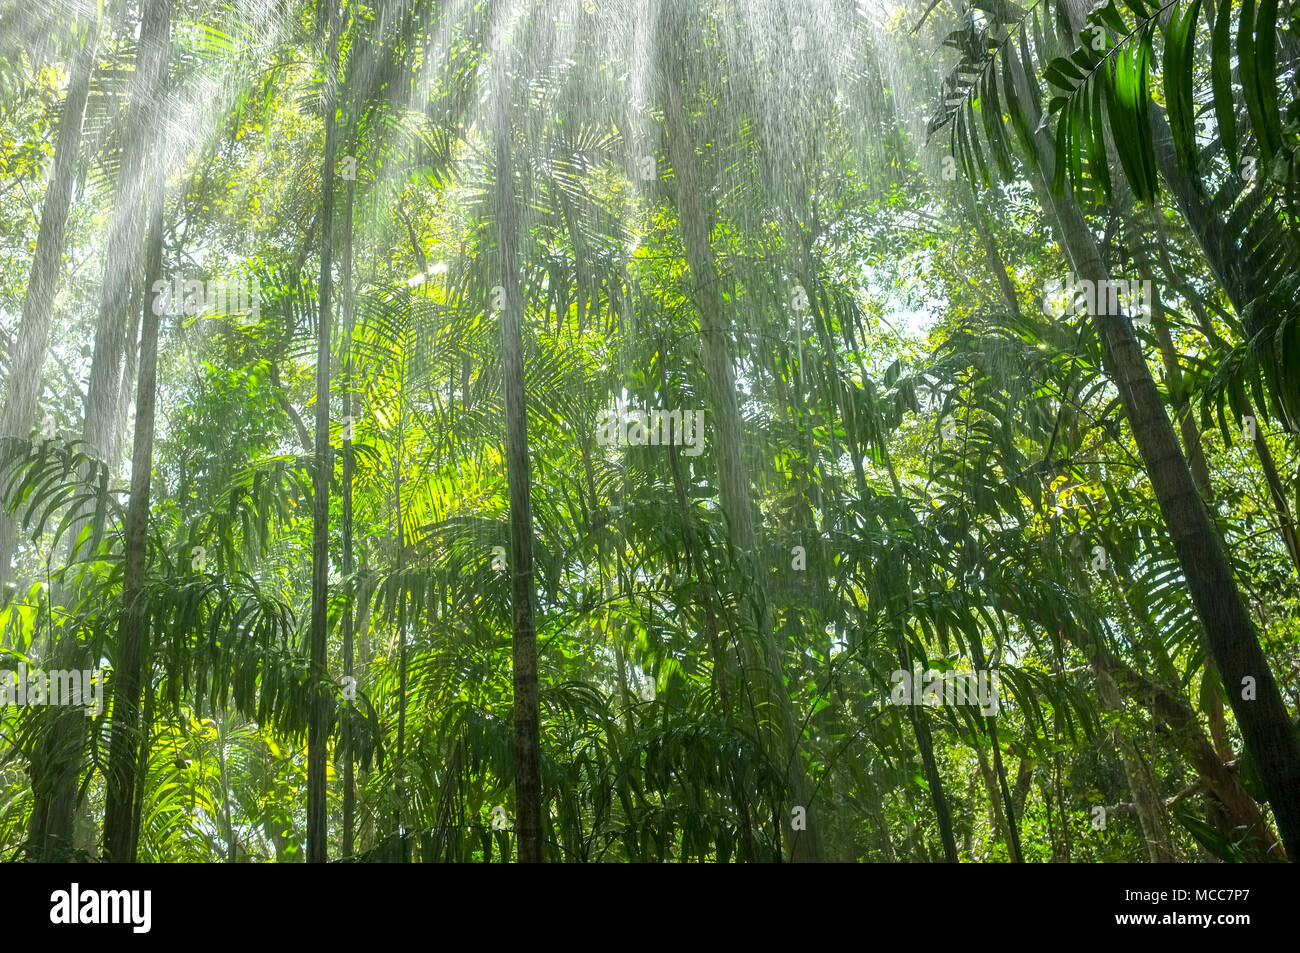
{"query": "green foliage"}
pixel 929 456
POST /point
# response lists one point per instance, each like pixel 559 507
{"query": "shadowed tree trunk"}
pixel 1239 818
pixel 1277 493
pixel 119 810
pixel 932 777
pixel 1243 822
pixel 925 743
pixel 523 588
pixel 970 202
pixel 318 725
pixel 349 566
pixel 56 768
pixel 403 667
pixel 1006 810
pixel 1229 632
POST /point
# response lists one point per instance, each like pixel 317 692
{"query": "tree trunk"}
pixel 318 725
pixel 403 668
pixel 1150 809
pixel 123 279
pixel 349 463
pixel 937 797
pixel 1277 492
pixel 19 415
pixel 1229 632
pixel 523 589
pixel 992 257
pixel 1007 810
pixel 119 809
pixel 56 769
pixel 1242 820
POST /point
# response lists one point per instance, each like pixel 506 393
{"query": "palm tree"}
pixel 320 557
pixel 528 795
pixel 1228 628
pixel 119 809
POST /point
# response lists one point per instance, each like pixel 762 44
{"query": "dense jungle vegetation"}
pixel 642 430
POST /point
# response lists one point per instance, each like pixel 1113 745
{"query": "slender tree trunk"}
pixel 19 414
pixel 227 815
pixel 1236 815
pixel 1242 820
pixel 56 769
pixel 119 810
pixel 142 767
pixel 1149 807
pixel 876 810
pixel 123 280
pixel 1277 492
pixel 1007 810
pixel 925 743
pixel 399 811
pixel 1024 778
pixel 721 677
pixel 523 589
pixel 349 463
pixel 937 796
pixel 363 621
pixel 996 819
pixel 968 834
pixel 992 257
pixel 318 725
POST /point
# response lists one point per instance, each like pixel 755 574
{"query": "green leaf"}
pixel 1003 11
pixel 1111 17
pixel 1147 151
pixel 1025 61
pixel 1266 78
pixel 1248 69
pixel 1018 119
pixel 1073 156
pixel 1127 102
pixel 1062 146
pixel 974 147
pixel 1221 79
pixel 1098 162
pixel 1179 40
pixel 991 111
pixel 1208 837
pixel 1063 72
